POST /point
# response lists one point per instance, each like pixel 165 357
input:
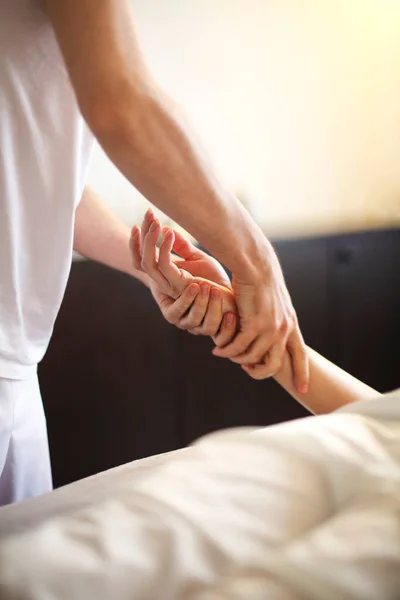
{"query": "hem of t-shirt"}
pixel 15 371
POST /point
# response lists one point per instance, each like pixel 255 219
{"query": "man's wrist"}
pixel 250 256
pixel 257 262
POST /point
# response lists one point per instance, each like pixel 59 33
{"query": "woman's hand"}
pixel 213 309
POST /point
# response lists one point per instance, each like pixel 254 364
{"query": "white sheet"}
pixel 305 510
pixel 22 517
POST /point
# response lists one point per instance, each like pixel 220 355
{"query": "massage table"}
pixel 304 510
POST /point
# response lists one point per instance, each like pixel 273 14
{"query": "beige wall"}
pixel 298 102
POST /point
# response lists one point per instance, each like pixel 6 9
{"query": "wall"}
pixel 298 102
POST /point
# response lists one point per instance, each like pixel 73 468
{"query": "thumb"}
pixel 184 248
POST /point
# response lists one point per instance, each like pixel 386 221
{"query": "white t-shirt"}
pixel 44 152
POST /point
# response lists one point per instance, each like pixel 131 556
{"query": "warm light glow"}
pixel 298 103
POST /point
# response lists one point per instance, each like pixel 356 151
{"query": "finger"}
pixel 168 268
pixel 239 345
pixel 256 351
pixel 274 360
pixel 149 256
pixel 213 317
pixel 256 371
pixel 135 247
pixel 148 220
pixel 298 353
pixel 184 248
pixel 164 258
pixel 198 310
pixel 178 308
pixel 270 364
pixel 227 330
pixel 269 348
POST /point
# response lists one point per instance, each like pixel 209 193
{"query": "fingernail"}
pixel 303 389
pixel 204 289
pixel 215 294
pixel 193 290
pixel 154 226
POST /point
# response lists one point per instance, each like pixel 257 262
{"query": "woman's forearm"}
pixel 101 236
pixel 329 388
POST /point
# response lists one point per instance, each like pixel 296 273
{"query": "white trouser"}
pixel 25 469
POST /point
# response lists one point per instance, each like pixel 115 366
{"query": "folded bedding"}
pixel 303 510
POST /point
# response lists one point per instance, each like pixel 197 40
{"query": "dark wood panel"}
pixel 365 306
pixel 305 267
pixel 108 379
pixel 217 394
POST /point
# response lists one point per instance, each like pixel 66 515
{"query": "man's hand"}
pixel 268 326
pixel 193 274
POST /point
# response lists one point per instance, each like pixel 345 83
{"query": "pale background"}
pixel 298 102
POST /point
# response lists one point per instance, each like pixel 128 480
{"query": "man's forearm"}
pixel 146 136
pixel 329 387
pixel 101 236
pixel 148 139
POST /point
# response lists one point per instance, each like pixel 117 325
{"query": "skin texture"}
pixel 150 142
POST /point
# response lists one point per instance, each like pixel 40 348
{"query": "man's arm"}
pixel 329 388
pixel 146 137
pixel 144 132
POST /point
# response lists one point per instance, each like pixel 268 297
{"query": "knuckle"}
pixel 256 374
pixel 221 340
pixel 272 325
pixel 207 331
pixel 194 321
pixel 259 375
pixel 254 356
pixel 144 264
pixel 213 329
pixel 293 317
pixel 274 366
pixel 171 318
pixel 263 373
pixel 285 325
